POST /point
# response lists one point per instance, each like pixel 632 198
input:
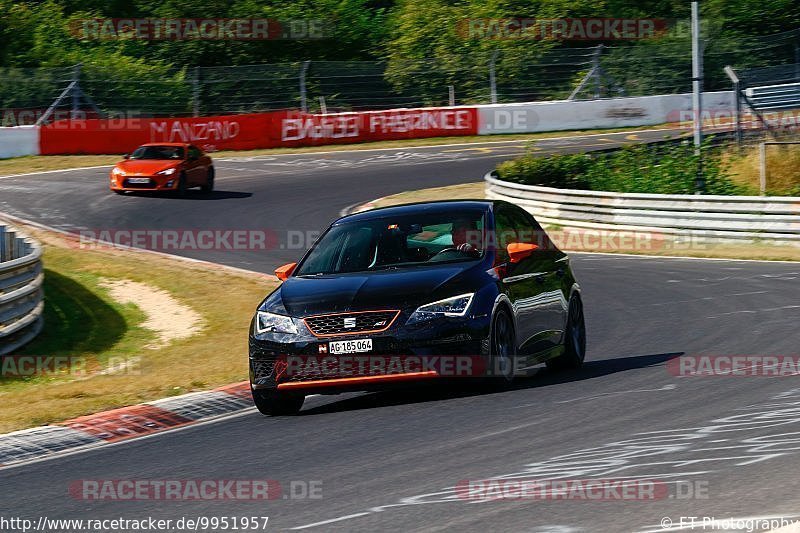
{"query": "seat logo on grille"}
pixel 350 322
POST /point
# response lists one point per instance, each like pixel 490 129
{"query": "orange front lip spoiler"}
pixel 360 380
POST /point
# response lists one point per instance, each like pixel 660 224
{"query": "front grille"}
pixel 128 185
pixel 262 368
pixel 350 323
pixel 307 374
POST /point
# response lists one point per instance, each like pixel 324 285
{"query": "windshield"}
pixel 405 241
pixel 158 152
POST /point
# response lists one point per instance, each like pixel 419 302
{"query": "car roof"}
pixel 442 206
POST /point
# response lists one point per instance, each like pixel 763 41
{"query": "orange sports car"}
pixel 163 167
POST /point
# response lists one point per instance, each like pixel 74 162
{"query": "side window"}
pixel 533 232
pixel 505 232
pixel 528 230
pixel 513 224
pixel 194 152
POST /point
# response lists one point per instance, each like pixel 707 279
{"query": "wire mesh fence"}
pixel 660 66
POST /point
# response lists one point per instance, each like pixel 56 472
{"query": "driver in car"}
pixel 467 238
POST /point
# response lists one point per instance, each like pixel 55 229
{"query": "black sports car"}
pixel 413 292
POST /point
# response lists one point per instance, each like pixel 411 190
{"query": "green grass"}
pixel 82 320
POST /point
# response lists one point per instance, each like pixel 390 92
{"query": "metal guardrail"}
pixel 775 97
pixel 708 217
pixel 21 293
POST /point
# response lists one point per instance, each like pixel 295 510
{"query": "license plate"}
pixel 138 180
pixel 353 346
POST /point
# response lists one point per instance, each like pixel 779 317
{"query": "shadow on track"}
pixel 193 195
pixel 445 390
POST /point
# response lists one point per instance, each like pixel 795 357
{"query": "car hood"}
pixel 146 166
pixel 392 289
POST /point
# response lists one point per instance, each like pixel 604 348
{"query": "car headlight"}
pixel 166 172
pixel 455 306
pixel 118 172
pixel 272 323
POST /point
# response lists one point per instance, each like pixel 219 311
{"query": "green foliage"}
pixel 425 45
pixel 565 171
pixel 659 169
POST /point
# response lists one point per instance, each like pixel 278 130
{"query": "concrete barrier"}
pixel 595 114
pixel 286 129
pixel 19 141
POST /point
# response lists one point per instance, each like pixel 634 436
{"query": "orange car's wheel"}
pixel 182 185
pixel 209 186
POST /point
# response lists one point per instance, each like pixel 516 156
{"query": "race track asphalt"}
pixel 723 446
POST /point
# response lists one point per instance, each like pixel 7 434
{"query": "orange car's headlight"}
pixel 117 172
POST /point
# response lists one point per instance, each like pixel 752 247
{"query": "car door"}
pixel 533 284
pixel 195 169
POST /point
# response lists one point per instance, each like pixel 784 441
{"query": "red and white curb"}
pixel 122 424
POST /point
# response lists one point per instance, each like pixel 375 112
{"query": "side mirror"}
pixel 283 272
pixel 126 156
pixel 517 251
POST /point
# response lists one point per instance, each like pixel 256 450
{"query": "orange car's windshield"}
pixel 158 152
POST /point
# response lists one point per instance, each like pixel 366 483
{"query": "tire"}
pixel 273 403
pixel 574 339
pixel 502 346
pixel 209 186
pixel 181 190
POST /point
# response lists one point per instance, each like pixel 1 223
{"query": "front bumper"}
pixel 401 354
pixel 154 183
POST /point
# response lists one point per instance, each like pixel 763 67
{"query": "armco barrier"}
pixel 701 216
pixel 21 294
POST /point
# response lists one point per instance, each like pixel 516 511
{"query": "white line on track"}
pixel 331 521
pixel 426 146
pixel 479 143
pixel 502 431
pixel 52 171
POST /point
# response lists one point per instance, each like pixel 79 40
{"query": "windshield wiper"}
pixel 384 267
